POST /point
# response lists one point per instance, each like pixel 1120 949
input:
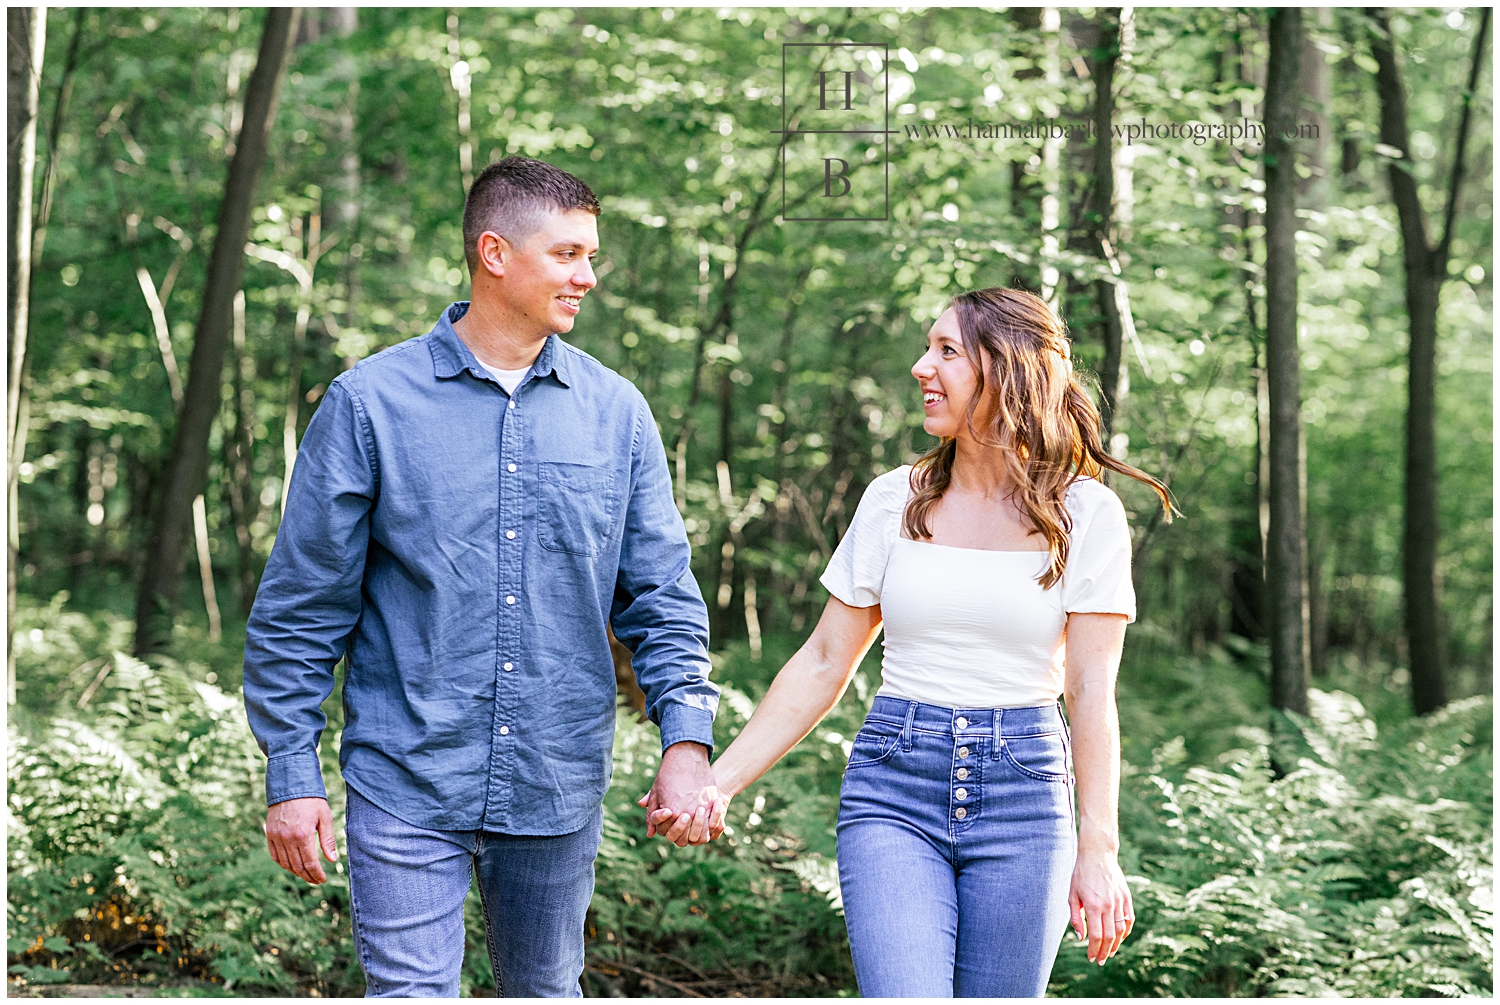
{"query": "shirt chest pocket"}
pixel 577 507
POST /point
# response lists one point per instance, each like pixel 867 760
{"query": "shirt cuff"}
pixel 294 776
pixel 681 722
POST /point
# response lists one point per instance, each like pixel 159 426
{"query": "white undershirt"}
pixel 508 378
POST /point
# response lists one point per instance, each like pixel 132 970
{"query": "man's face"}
pixel 548 274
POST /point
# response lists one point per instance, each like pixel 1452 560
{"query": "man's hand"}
pixel 680 805
pixel 290 827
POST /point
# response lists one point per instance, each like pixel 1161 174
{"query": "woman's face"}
pixel 947 377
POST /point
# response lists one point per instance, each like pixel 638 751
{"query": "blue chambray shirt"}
pixel 464 549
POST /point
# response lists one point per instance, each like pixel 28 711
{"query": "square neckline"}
pixel 983 551
pixel 952 547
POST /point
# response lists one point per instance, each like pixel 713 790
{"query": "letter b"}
pixel 829 176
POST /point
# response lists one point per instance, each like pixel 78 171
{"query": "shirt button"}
pixel 510 467
pixel 962 772
pixel 963 751
pixel 960 813
pixel 510 600
pixel 963 723
pixel 962 793
pixel 504 730
pixel 510 535
pixel 509 666
pixel 511 405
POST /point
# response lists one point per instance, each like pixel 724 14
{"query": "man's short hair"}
pixel 513 196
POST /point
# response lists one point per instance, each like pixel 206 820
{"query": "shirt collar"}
pixel 450 356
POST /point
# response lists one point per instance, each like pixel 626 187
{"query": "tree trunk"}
pixel 1317 607
pixel 1426 268
pixel 1313 74
pixel 723 319
pixel 313 250
pixel 1051 172
pixel 239 460
pixel 782 515
pixel 343 21
pixel 1250 73
pixel 59 112
pixel 1286 546
pixel 626 684
pixel 1025 203
pixel 724 467
pixel 161 576
pixel 200 509
pixel 27 29
pixel 458 74
pixel 1112 329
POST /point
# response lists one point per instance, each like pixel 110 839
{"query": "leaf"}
pixel 42 975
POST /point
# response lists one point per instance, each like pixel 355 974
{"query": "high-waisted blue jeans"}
pixel 408 885
pixel 956 849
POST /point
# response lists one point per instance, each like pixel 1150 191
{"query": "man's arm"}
pixel 308 603
pixel 658 613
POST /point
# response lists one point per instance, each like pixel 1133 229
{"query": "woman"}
pixel 1000 568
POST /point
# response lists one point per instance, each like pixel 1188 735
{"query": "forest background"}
pixel 1341 845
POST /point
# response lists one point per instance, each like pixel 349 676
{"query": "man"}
pixel 469 510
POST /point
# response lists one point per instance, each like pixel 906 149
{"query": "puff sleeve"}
pixel 856 571
pixel 1097 577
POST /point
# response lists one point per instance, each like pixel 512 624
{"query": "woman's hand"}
pixel 1100 903
pixel 699 824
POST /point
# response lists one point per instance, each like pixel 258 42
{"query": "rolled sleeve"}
pixel 294 776
pixel 681 723
pixel 310 596
pixel 658 610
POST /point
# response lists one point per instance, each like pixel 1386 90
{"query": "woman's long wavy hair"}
pixel 1039 414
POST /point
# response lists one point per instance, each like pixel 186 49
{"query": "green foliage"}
pixel 137 841
pixel 136 849
pixel 1366 871
pixel 775 357
pixel 803 390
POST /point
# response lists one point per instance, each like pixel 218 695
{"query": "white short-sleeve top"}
pixel 966 628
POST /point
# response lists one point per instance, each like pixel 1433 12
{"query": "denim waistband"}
pixel 1030 720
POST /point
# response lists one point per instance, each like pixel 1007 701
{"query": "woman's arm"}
pixel 1100 897
pixel 803 692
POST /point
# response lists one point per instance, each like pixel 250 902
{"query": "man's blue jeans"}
pixel 956 849
pixel 407 886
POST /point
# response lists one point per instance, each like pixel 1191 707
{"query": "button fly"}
pixel 960 813
pixel 963 751
pixel 963 723
pixel 963 773
pixel 962 793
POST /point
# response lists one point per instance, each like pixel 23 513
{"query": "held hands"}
pixel 290 830
pixel 685 805
pixel 1101 906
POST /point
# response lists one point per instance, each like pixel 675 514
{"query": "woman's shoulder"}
pixel 1089 497
pixel 890 490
